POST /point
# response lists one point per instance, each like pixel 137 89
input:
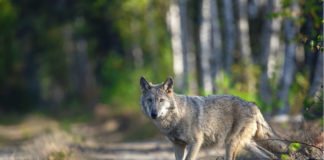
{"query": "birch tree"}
pixel 176 19
pixel 210 46
pixel 243 31
pixel 205 47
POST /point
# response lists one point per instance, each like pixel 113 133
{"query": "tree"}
pixel 210 46
pixel 176 18
pixel 269 49
pixel 317 82
pixel 288 70
pixel 245 45
pixel 229 34
pixel 216 51
pixel 243 32
pixel 205 38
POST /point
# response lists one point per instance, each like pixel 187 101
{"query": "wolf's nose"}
pixel 153 115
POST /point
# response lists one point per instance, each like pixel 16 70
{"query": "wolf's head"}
pixel 157 99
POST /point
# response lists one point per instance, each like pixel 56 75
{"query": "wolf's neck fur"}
pixel 169 122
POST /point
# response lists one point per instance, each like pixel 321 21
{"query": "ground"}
pixel 121 137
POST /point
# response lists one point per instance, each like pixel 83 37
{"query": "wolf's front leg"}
pixel 180 151
pixel 194 148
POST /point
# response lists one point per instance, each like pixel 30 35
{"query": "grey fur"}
pixel 191 122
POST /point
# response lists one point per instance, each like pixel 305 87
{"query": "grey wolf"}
pixel 191 122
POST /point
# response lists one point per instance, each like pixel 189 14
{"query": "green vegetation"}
pixel 293 147
pixel 62 59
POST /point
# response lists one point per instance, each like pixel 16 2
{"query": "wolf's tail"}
pixel 266 137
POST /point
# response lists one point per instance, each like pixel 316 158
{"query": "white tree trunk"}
pixel 229 34
pixel 176 19
pixel 276 47
pixel 243 28
pixel 205 38
pixel 210 46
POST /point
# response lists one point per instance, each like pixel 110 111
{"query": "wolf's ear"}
pixel 168 85
pixel 144 84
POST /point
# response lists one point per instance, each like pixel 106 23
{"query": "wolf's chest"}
pixel 177 136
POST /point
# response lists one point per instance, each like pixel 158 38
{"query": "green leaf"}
pixel 293 147
pixel 285 157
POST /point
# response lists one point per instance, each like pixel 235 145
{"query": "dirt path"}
pixel 148 150
pixel 41 138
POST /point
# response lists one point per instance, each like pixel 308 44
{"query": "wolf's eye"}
pixel 162 100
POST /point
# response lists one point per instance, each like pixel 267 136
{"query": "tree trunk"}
pixel 216 62
pixel 243 28
pixel 310 53
pixel 210 46
pixel 253 8
pixel 290 31
pixel 176 18
pixel 245 46
pixel 205 38
pixel 229 34
pixel 87 85
pixel 317 82
pixel 30 72
pixel 276 48
pixel 82 77
pixel 266 34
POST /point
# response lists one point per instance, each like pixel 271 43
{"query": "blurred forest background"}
pixel 81 60
pixel 62 57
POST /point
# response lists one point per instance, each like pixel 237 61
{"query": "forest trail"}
pixel 43 138
pixel 149 150
pixel 60 145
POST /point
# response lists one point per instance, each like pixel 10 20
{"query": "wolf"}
pixel 191 122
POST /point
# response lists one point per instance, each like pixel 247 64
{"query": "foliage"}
pixel 285 157
pixel 294 147
pixel 313 106
pixel 38 66
pixel 298 92
pixel 49 49
pixel 237 85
